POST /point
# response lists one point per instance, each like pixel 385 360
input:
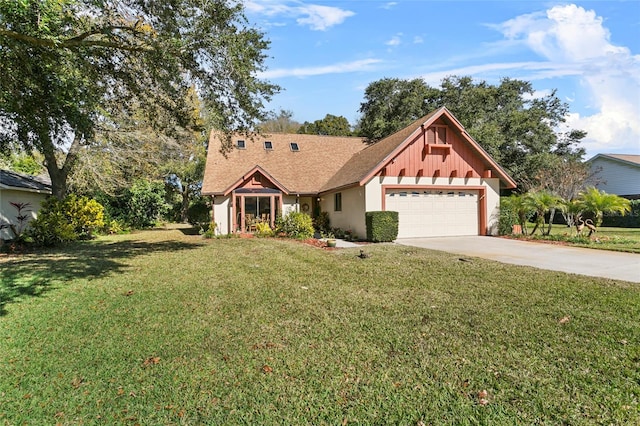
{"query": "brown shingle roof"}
pixel 323 163
pixel 363 162
pixel 302 172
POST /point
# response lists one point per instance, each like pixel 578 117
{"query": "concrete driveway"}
pixel 595 263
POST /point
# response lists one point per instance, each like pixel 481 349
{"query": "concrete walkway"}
pixel 583 261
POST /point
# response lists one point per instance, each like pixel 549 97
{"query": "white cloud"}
pixel 418 40
pixel 389 5
pixel 395 40
pixel 494 71
pixel 322 17
pixel 339 68
pixel 576 40
pixel 317 17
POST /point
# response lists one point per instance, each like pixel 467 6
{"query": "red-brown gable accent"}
pixel 246 182
pixel 459 156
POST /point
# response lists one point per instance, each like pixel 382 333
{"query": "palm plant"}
pixel 518 205
pixel 541 202
pixel 599 202
pixel 571 211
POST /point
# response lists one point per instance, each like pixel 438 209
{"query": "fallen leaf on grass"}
pixel 565 320
pixel 153 360
pixel 267 369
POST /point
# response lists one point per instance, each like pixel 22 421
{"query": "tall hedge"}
pixel 630 220
pixel 382 226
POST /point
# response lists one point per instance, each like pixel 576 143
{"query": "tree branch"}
pixel 78 41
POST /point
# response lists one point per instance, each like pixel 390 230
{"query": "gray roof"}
pixel 631 159
pixel 19 181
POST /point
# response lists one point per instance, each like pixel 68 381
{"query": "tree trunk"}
pixel 59 175
pixel 185 203
pixel 552 213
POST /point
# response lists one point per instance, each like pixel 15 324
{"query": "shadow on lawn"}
pixel 36 274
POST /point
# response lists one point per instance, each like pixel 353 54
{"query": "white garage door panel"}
pixel 434 213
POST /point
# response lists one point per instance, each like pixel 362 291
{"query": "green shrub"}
pixel 210 232
pixel 321 222
pixel 199 213
pixel 138 207
pixel 297 225
pixel 264 230
pixel 508 217
pixel 145 204
pixel 85 215
pixel 630 220
pixel 382 226
pixel 113 226
pixel 68 220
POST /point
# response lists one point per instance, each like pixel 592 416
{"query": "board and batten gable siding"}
pixel 430 154
pixel 617 177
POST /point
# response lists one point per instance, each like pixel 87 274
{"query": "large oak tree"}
pixel 70 69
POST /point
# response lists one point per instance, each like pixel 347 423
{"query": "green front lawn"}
pixel 163 328
pixel 616 239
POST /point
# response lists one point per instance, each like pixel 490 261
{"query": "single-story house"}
pixel 18 188
pixel 617 174
pixel 432 172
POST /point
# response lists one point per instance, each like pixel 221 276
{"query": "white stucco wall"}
pixel 290 203
pixel 8 212
pixel 374 193
pixel 353 209
pixel 222 214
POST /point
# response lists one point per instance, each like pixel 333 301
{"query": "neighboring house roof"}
pixel 323 163
pixel 20 182
pixel 630 159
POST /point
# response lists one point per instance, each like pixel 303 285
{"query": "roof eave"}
pixel 616 159
pixel 23 189
pixel 246 175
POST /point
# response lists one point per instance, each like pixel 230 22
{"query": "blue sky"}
pixel 325 53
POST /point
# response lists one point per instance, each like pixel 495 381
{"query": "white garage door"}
pixel 434 213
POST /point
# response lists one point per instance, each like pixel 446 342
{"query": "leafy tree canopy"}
pixel 515 128
pixel 69 67
pixel 330 125
pixel 22 162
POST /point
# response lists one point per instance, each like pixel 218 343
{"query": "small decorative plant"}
pixel 264 230
pixel 21 217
